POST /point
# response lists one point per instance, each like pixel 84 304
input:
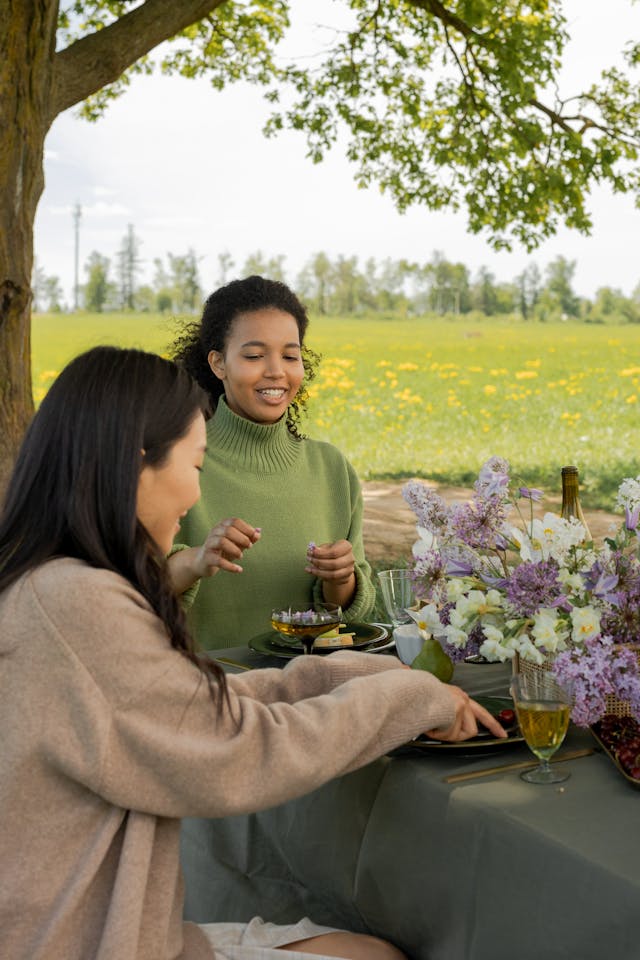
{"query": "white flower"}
pixel 528 651
pixel 457 618
pixel 572 582
pixel 456 637
pixel 427 621
pixel 552 537
pixel 586 623
pixel 548 631
pixel 427 542
pixel 629 494
pixel 455 589
pixel 493 647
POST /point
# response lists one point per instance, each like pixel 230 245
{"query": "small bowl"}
pixel 408 642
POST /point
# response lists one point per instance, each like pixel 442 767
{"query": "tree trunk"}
pixel 27 32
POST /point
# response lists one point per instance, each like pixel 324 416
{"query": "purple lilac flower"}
pixel 626 678
pixel 480 524
pixel 589 670
pixel 530 493
pixel 471 648
pixel 493 479
pixel 535 585
pixel 428 506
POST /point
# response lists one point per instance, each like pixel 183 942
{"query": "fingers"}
pixel 488 720
pixel 331 561
pixel 225 545
pixel 465 724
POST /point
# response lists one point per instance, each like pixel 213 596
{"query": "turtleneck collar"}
pixel 257 447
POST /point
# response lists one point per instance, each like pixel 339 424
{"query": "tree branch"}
pixel 446 17
pixel 100 58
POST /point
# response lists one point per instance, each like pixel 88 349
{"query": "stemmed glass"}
pixel 543 707
pixel 396 587
pixel 305 624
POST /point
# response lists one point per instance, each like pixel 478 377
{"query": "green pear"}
pixel 433 659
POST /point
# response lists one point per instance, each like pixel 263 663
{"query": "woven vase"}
pixel 619 708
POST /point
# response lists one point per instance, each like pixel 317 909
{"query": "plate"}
pixel 368 636
pixel 484 742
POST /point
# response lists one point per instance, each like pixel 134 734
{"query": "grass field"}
pixel 436 397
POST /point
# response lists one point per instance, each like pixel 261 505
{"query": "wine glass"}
pixel 305 623
pixel 396 587
pixel 543 707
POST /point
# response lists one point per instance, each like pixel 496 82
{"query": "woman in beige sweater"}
pixel 113 727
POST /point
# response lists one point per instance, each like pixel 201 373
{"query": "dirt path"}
pixel 390 526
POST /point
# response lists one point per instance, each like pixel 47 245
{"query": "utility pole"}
pixel 77 214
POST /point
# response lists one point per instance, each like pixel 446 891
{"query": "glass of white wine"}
pixel 542 707
pixel 304 624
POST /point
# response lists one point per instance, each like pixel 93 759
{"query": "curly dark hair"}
pixel 195 340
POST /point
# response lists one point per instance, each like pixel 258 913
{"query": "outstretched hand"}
pixel 465 724
pixel 224 546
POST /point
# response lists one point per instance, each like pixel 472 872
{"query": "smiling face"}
pixel 261 366
pixel 167 490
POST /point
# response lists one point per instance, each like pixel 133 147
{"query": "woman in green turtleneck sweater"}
pixel 300 499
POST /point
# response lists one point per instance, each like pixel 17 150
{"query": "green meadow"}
pixel 435 397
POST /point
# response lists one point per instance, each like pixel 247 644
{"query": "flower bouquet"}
pixel 497 582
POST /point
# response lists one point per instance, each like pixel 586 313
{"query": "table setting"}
pixel 472 851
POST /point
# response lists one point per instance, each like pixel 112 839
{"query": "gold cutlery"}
pixel 521 765
pixel 232 663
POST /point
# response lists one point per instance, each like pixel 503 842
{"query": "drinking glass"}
pixel 304 624
pixel 397 594
pixel 543 707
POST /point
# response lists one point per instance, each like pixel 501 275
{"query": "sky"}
pixel 188 167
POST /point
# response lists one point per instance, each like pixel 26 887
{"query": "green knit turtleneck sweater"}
pixel 296 491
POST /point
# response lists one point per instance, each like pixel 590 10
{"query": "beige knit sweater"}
pixel 109 736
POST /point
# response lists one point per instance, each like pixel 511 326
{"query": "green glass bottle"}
pixel 571 498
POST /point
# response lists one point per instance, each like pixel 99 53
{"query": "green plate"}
pixel 368 636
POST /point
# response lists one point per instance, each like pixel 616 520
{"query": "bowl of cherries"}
pixel 620 738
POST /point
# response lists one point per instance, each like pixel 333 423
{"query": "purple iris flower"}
pixel 530 493
pixel 631 517
pixel 562 603
pixel 499 583
pixel 601 583
pixel 455 567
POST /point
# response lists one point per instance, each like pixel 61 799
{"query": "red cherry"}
pixel 506 717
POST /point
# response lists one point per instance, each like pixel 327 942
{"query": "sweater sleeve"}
pixel 361 607
pixel 156 741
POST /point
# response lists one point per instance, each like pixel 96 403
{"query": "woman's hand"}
pixel 224 546
pixel 335 565
pixel 465 724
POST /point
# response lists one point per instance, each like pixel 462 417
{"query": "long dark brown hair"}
pixel 74 486
pixel 196 340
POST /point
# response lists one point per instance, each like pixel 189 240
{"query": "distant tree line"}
pixel 342 286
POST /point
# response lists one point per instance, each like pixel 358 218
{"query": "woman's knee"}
pixel 348 946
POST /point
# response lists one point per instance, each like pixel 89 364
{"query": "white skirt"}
pixel 258 940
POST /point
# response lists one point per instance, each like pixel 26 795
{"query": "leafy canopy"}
pixel 446 104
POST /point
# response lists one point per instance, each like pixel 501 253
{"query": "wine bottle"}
pixel 571 498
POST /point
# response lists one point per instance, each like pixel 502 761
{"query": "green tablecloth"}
pixel 490 869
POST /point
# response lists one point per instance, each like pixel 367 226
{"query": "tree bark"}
pixel 36 84
pixel 27 29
